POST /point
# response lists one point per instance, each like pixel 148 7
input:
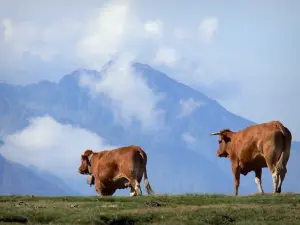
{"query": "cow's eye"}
pixel 220 141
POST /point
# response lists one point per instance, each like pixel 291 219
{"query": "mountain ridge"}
pixel 16 179
pixel 189 166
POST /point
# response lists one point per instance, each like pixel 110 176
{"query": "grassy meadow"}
pixel 161 209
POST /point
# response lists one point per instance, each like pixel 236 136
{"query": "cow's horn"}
pixel 216 133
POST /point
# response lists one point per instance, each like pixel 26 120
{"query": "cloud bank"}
pixel 51 146
pixel 129 94
pixel 106 34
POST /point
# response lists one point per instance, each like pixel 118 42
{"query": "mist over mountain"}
pixel 17 179
pixel 181 153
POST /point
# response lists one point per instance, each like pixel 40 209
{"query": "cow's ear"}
pixel 84 157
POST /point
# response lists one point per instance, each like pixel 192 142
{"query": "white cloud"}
pixel 105 35
pixel 130 95
pixel 45 42
pixel 166 56
pixel 88 41
pixel 181 33
pixel 188 106
pixel 12 35
pixel 31 52
pixel 207 28
pixel 154 27
pixel 51 146
pixel 189 139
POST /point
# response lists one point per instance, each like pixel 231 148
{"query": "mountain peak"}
pixel 154 78
pixel 73 77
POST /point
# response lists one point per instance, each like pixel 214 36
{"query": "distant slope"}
pixel 19 180
pixel 53 179
pixel 180 159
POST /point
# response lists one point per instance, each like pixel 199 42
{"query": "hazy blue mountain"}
pixel 51 178
pixel 174 166
pixel 18 179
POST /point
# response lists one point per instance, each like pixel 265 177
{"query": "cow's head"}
pixel 85 162
pixel 224 139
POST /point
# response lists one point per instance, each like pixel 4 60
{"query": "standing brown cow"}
pixel 116 169
pixel 255 147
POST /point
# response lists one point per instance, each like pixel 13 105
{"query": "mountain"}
pixel 181 158
pixel 18 179
pixel 53 179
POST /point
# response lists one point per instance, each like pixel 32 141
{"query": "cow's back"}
pixel 259 140
pixel 126 154
pixel 259 133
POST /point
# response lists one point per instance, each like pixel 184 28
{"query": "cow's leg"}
pixel 98 187
pixel 282 174
pixel 271 165
pixel 134 183
pixel 137 188
pixel 275 176
pixel 236 176
pixel 281 167
pixel 132 192
pixel 258 180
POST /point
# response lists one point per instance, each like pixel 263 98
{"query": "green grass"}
pixel 181 209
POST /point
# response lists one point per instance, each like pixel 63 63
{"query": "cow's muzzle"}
pixel 224 154
pixel 81 171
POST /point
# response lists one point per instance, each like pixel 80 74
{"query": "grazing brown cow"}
pixel 255 147
pixel 116 169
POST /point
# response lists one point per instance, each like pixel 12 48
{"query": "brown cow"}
pixel 116 169
pixel 255 147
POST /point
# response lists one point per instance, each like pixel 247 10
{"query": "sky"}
pixel 244 54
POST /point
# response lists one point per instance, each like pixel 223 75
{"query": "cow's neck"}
pixel 89 163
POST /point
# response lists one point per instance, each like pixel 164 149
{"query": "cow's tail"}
pixel 285 153
pixel 146 180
